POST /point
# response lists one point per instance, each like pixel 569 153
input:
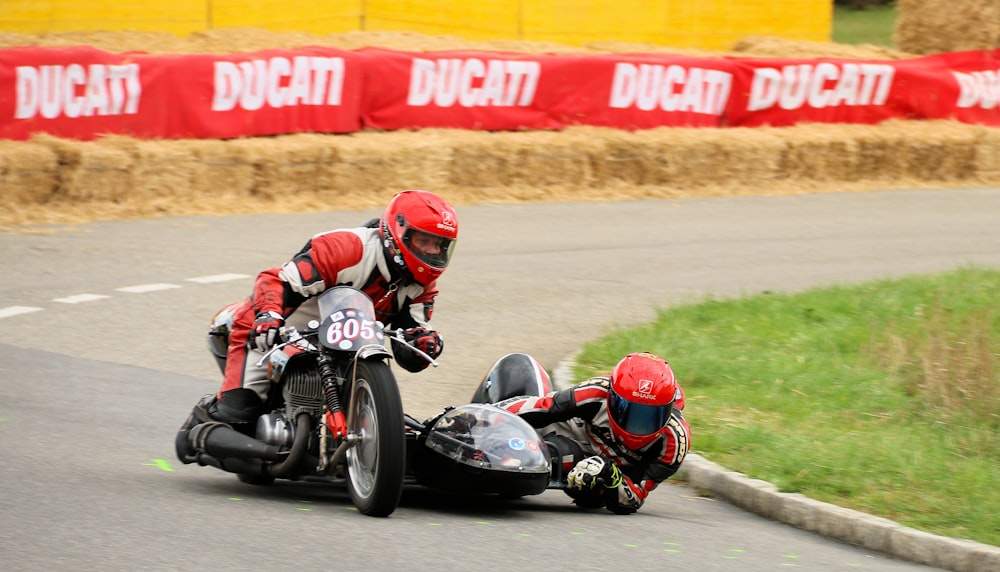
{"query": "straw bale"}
pixel 751 157
pixel 625 158
pixel 941 150
pixel 614 47
pixel 12 40
pixel 734 157
pixel 539 158
pixel 477 164
pixel 767 46
pixel 821 151
pixel 91 171
pixel 376 165
pixel 224 169
pixel 237 39
pixel 879 155
pixel 987 160
pixel 118 41
pixel 246 39
pixel 933 26
pixel 29 173
pixel 290 165
pixel 161 173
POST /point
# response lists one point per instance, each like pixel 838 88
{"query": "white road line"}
pixel 18 310
pixel 217 278
pixel 78 298
pixel 143 288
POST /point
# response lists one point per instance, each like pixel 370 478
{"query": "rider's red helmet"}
pixel 428 219
pixel 643 389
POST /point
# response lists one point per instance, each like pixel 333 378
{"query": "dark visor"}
pixel 637 418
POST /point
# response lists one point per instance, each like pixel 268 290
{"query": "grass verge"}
pixel 882 397
pixel 874 25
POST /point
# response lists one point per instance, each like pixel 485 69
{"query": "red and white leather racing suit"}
pixel 352 257
pixel 580 413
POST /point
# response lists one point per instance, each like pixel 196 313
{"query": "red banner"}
pixel 493 90
pixel 783 92
pixel 83 93
pixel 465 90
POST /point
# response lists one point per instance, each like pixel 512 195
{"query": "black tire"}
pixel 376 464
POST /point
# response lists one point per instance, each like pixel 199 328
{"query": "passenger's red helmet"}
pixel 643 389
pixel 411 219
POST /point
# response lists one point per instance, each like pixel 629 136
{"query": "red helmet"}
pixel 418 232
pixel 643 389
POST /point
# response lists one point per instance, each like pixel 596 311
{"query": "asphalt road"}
pixel 102 355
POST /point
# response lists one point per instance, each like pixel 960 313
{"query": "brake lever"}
pixel 290 335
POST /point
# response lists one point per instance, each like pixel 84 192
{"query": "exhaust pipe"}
pixel 234 465
pixel 298 451
pixel 222 442
pixel 221 446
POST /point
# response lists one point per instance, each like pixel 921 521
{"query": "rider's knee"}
pixel 237 406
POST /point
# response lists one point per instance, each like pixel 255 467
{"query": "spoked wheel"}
pixel 377 462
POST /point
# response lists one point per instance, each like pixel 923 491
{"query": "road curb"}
pixel 832 521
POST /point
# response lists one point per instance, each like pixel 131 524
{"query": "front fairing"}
pixel 485 437
pixel 348 320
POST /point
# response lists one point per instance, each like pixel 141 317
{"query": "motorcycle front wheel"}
pixel 377 462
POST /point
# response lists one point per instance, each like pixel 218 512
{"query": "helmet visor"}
pixel 637 418
pixel 431 249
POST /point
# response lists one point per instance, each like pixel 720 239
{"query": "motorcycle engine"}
pixel 274 429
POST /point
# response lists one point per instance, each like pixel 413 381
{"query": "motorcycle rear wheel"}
pixel 377 462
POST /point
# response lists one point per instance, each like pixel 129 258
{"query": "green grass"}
pixel 883 397
pixel 874 25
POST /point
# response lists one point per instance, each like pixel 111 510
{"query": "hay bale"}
pixel 12 40
pixel 117 41
pixel 372 166
pixel 941 150
pixel 987 159
pixel 161 172
pixel 625 159
pixel 29 173
pixel 291 165
pixel 773 47
pixel 545 158
pixel 752 156
pixel 245 39
pixel 91 171
pixel 934 26
pixel 476 164
pixel 223 169
pixel 686 157
pixel 734 157
pixel 820 152
pixel 879 153
pixel 534 165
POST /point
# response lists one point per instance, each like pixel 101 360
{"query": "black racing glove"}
pixel 427 341
pixel 265 329
pixel 596 471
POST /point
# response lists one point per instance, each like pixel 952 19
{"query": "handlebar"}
pixel 291 335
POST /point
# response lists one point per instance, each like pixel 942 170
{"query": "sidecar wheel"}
pixel 377 462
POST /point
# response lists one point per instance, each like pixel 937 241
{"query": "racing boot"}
pixel 199 414
pixel 237 411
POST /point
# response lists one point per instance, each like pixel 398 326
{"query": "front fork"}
pixel 331 392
